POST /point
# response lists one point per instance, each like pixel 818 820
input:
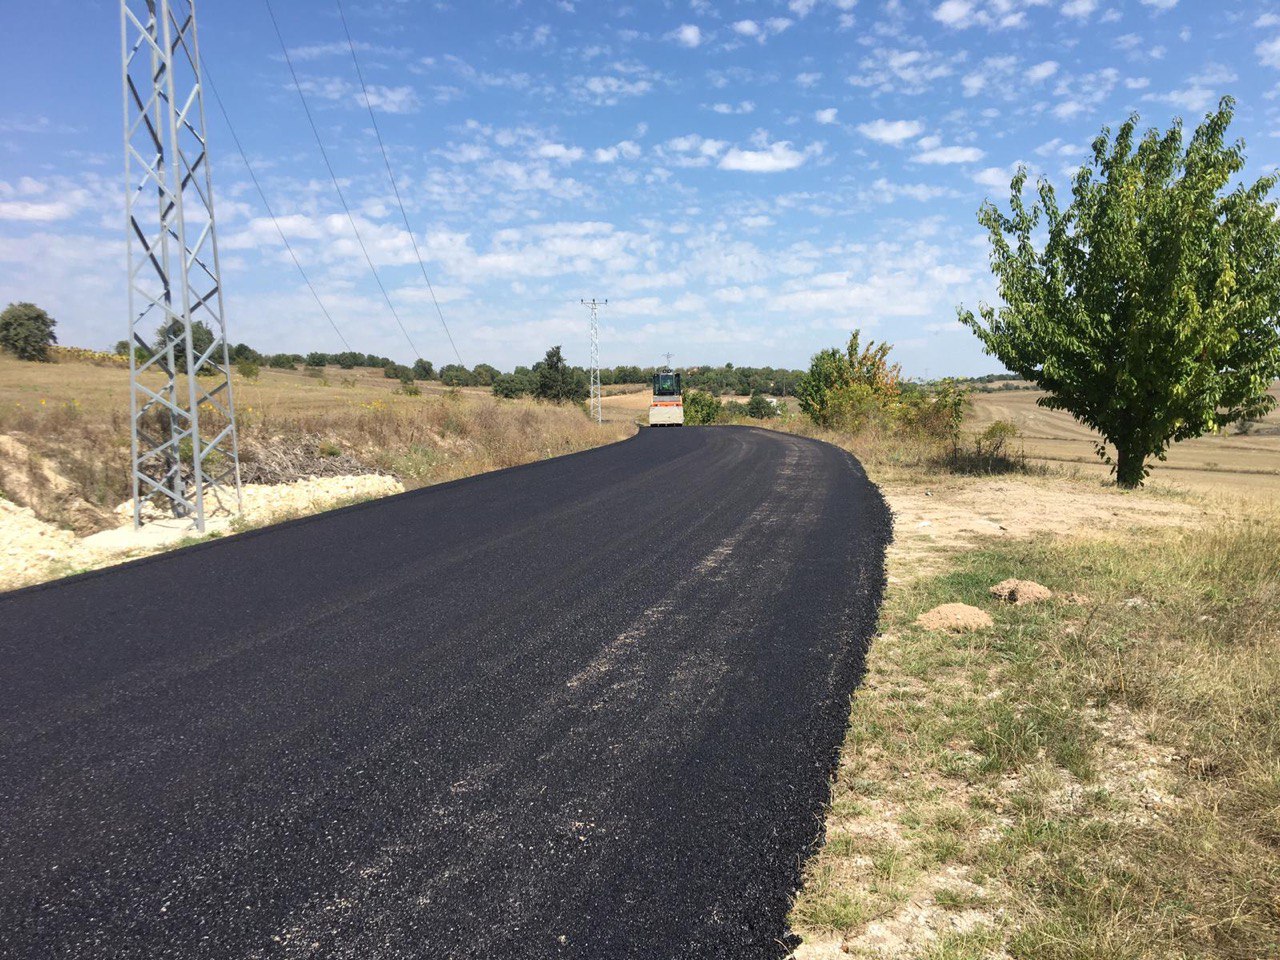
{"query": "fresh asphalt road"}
pixel 583 708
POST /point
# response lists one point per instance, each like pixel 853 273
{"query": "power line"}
pixel 263 197
pixel 364 92
pixel 336 186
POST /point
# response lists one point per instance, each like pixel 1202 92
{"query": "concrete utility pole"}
pixel 175 288
pixel 594 306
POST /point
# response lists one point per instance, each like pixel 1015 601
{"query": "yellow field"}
pixel 75 415
pixel 1227 462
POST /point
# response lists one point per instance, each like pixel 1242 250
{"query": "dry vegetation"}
pixel 1244 459
pixel 64 433
pixel 1096 776
pixel 305 440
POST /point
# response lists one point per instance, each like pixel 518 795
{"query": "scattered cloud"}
pixel 773 158
pixel 949 155
pixel 687 35
pixel 892 132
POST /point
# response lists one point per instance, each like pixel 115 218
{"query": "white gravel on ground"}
pixel 32 551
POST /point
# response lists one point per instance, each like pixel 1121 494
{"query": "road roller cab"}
pixel 667 407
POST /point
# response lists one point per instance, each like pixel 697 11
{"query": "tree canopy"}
pixel 557 381
pixel 1148 307
pixel 26 331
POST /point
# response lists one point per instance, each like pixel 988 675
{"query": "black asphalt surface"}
pixel 583 708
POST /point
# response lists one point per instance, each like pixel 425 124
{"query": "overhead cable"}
pixel 337 186
pixel 364 93
pixel 267 205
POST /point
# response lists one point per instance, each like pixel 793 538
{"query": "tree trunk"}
pixel 1129 469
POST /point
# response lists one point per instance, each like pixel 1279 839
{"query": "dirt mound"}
pixel 32 481
pixel 1020 592
pixel 955 618
pixel 32 550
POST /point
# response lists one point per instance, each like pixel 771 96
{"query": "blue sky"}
pixel 745 180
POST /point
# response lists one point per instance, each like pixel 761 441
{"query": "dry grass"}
pixel 1247 463
pixel 1085 780
pixel 75 416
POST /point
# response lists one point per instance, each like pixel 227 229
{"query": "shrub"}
pixel 701 408
pixel 26 331
pixel 844 389
pixel 280 361
pixel 423 370
pixel 512 385
pixel 456 375
pixel 857 389
pixel 485 374
pixel 997 437
pixel 317 360
pixel 759 407
pixel 247 369
pixel 410 388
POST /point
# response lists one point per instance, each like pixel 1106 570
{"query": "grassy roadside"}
pixel 64 449
pixel 1096 777
pixel 66 425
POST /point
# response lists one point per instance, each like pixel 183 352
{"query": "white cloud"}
pixel 954 13
pixel 692 150
pixel 28 211
pixel 687 35
pixel 885 191
pixel 558 151
pixel 944 155
pixel 774 158
pixel 608 90
pixel 807 80
pixel 973 83
pixel 1161 5
pixel 1269 52
pixel 992 14
pixel 1080 9
pixel 403 99
pixel 1042 71
pixel 626 150
pixel 826 116
pixel 997 178
pixel 758 31
pixel 743 107
pixel 1201 91
pixel 904 71
pixel 892 132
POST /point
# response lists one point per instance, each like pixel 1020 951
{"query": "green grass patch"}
pixel 1110 769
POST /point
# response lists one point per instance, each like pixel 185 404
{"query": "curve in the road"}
pixel 584 708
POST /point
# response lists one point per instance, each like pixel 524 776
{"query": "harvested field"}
pixel 1243 463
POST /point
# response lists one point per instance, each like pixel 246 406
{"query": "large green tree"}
pixel 26 331
pixel 1148 307
pixel 555 380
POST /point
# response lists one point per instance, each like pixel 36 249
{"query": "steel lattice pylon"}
pixel 594 306
pixel 185 447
